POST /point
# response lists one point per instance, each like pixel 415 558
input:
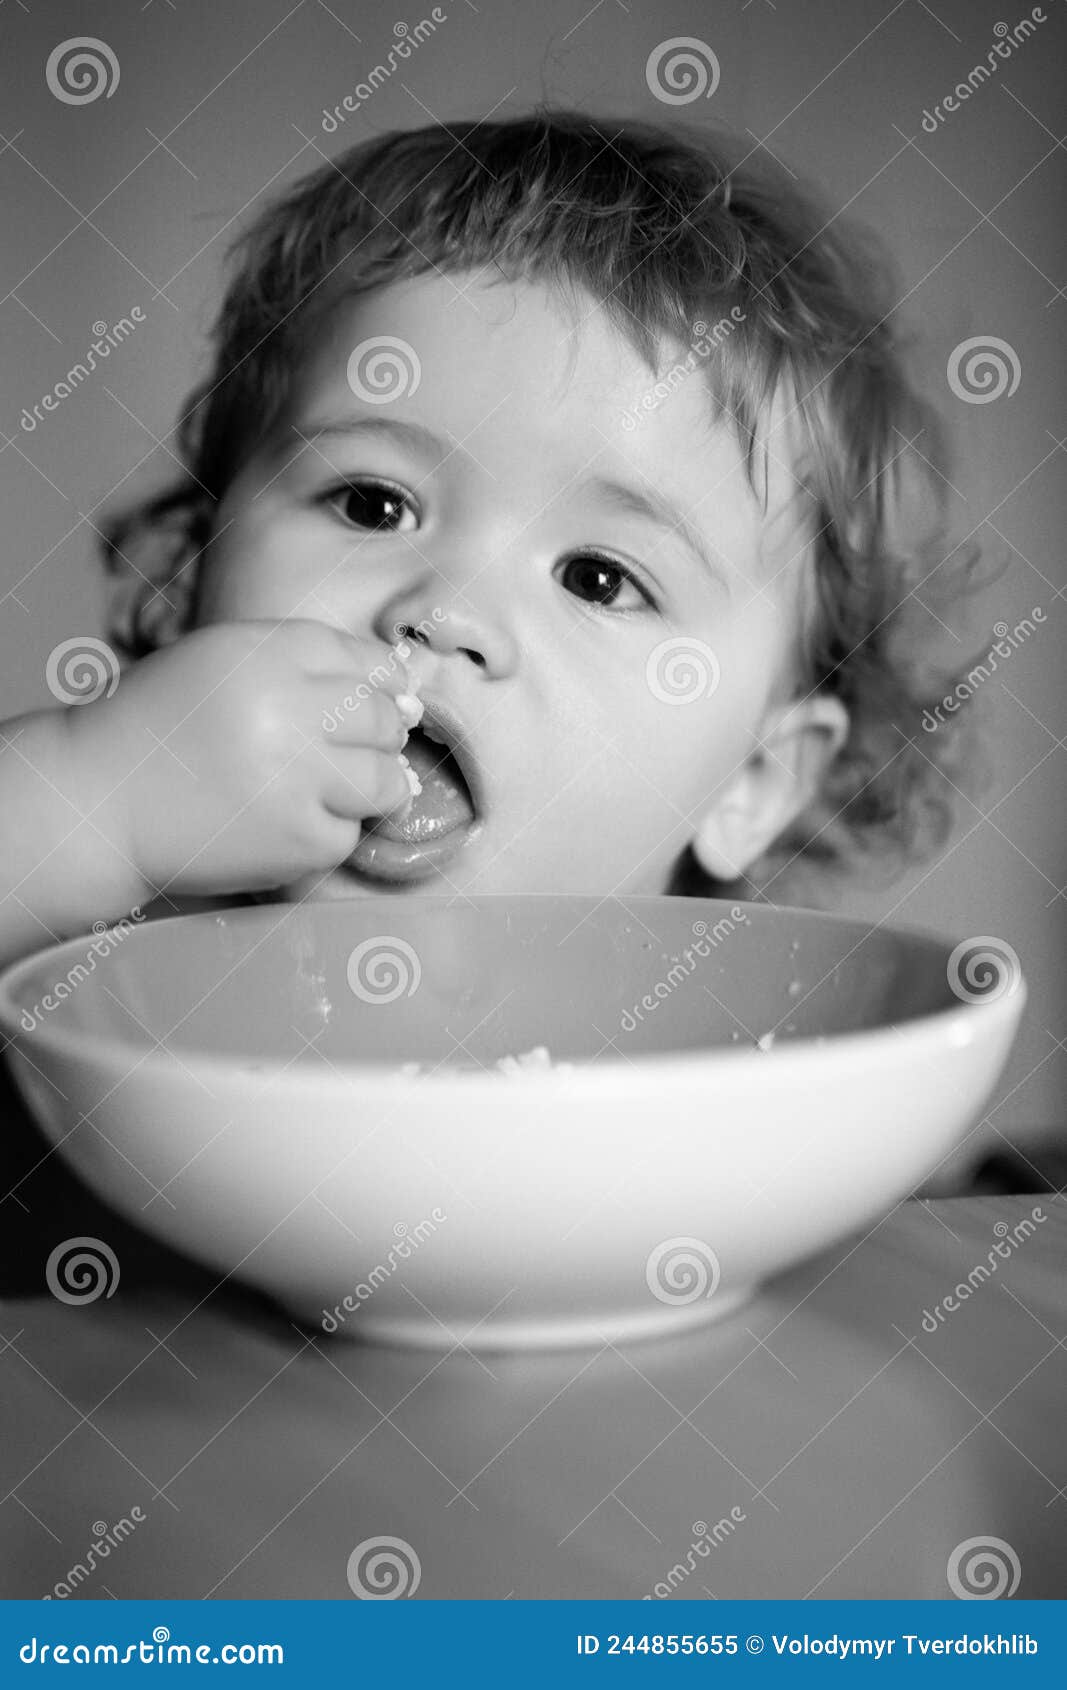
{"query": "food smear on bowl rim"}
pixel 536 1060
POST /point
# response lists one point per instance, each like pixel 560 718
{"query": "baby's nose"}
pixel 462 632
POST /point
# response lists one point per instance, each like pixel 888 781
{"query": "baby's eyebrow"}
pixel 413 435
pixel 661 512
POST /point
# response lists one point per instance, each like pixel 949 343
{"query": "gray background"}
pixel 131 200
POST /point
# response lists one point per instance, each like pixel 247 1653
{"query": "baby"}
pixel 548 523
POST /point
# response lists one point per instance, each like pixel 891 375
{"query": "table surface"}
pixel 826 1441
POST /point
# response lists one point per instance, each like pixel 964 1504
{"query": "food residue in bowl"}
pixel 536 1060
pixel 532 1061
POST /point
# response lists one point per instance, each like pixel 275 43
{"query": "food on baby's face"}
pixel 410 708
pixel 414 783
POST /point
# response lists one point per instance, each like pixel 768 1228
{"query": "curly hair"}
pixel 660 230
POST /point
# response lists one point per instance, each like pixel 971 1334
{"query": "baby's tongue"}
pixel 444 802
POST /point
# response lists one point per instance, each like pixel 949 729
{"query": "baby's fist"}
pixel 246 755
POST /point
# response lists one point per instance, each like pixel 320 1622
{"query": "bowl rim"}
pixel 957 1025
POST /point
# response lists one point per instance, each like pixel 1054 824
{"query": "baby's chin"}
pixel 346 882
pixel 506 875
pixel 392 878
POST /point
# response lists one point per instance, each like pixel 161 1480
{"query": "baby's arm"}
pixel 210 770
pixel 58 874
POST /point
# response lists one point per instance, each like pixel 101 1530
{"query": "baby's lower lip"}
pixel 380 858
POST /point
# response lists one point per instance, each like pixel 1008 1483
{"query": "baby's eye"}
pixel 602 581
pixel 375 505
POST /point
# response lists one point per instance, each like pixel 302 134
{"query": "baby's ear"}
pixel 153 556
pixel 776 782
pixel 144 615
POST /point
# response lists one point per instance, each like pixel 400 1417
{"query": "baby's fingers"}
pixel 363 664
pixel 360 716
pixel 361 783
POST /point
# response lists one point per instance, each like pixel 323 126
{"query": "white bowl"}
pixel 239 1085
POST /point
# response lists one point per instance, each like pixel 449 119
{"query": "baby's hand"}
pixel 245 756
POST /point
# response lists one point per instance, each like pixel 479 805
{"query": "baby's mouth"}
pixel 442 816
pixel 445 801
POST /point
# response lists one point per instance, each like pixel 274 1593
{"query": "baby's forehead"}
pixel 478 344
pixel 530 387
pixel 478 354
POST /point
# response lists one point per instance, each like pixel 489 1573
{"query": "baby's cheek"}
pixel 261 565
pixel 236 586
pixel 688 754
pixel 634 795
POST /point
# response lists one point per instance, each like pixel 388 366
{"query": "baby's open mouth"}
pixel 442 816
pixel 445 801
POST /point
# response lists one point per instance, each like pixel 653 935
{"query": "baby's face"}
pixel 604 610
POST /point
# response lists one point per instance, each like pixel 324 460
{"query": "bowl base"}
pixel 562 1334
